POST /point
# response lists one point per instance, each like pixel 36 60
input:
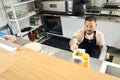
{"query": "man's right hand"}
pixel 74 47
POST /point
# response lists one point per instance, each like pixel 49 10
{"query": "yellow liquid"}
pixel 85 60
pixel 85 64
pixel 78 53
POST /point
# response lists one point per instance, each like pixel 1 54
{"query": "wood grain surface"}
pixel 26 64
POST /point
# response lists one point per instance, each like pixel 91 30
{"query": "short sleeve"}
pixel 79 35
pixel 100 38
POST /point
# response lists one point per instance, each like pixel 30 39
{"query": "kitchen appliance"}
pixel 70 7
pixel 38 5
pixel 52 24
pixel 93 10
pixel 94 6
pixel 110 9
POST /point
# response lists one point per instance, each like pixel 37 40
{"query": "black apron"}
pixel 90 45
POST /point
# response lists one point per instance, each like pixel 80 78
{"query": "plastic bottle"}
pixel 37 35
pixel 85 60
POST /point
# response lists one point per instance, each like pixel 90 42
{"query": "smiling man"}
pixel 88 38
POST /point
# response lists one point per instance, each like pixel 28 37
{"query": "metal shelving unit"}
pixel 12 6
pixel 21 3
pixel 20 19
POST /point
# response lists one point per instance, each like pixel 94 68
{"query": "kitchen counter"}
pixel 27 64
pixel 65 55
pixel 99 17
pixel 109 18
pixel 95 64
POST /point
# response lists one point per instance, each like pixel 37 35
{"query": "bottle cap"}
pixel 85 56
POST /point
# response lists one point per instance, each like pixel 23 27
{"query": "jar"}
pixel 85 60
pixel 32 36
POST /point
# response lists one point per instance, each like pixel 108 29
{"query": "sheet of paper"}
pixel 9 48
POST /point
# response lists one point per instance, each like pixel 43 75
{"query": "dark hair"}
pixel 90 18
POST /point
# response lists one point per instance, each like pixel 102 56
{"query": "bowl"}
pixel 78 53
pixel 34 46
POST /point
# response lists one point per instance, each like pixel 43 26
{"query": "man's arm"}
pixel 100 48
pixel 73 43
pixel 77 36
pixel 107 54
pixel 102 41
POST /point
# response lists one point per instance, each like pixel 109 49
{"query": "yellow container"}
pixel 85 60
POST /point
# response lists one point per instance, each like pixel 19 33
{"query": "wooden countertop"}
pixel 26 64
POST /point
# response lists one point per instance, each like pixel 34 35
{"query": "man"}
pixel 88 38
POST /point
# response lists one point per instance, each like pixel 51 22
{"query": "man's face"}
pixel 90 27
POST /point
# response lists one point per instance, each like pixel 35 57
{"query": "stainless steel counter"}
pixel 95 64
pixel 109 18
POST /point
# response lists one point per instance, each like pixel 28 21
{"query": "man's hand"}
pixel 74 47
pixel 107 56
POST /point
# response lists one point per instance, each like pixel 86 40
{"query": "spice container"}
pixel 32 36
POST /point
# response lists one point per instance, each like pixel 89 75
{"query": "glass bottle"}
pixel 85 60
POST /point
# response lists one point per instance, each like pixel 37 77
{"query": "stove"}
pixel 110 9
pixel 93 10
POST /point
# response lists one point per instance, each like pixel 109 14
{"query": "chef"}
pixel 89 38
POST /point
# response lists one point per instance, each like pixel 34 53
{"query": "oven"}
pixel 52 24
pixel 70 7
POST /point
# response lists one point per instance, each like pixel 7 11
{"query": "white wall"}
pixel 109 29
pixel 97 2
pixel 100 2
pixel 70 25
pixel 117 0
pixel 3 18
pixel 114 1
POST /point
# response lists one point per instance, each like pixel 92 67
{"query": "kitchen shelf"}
pixel 25 17
pixel 25 33
pixel 18 4
pixel 17 14
pixel 39 38
pixel 21 3
pixel 22 14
